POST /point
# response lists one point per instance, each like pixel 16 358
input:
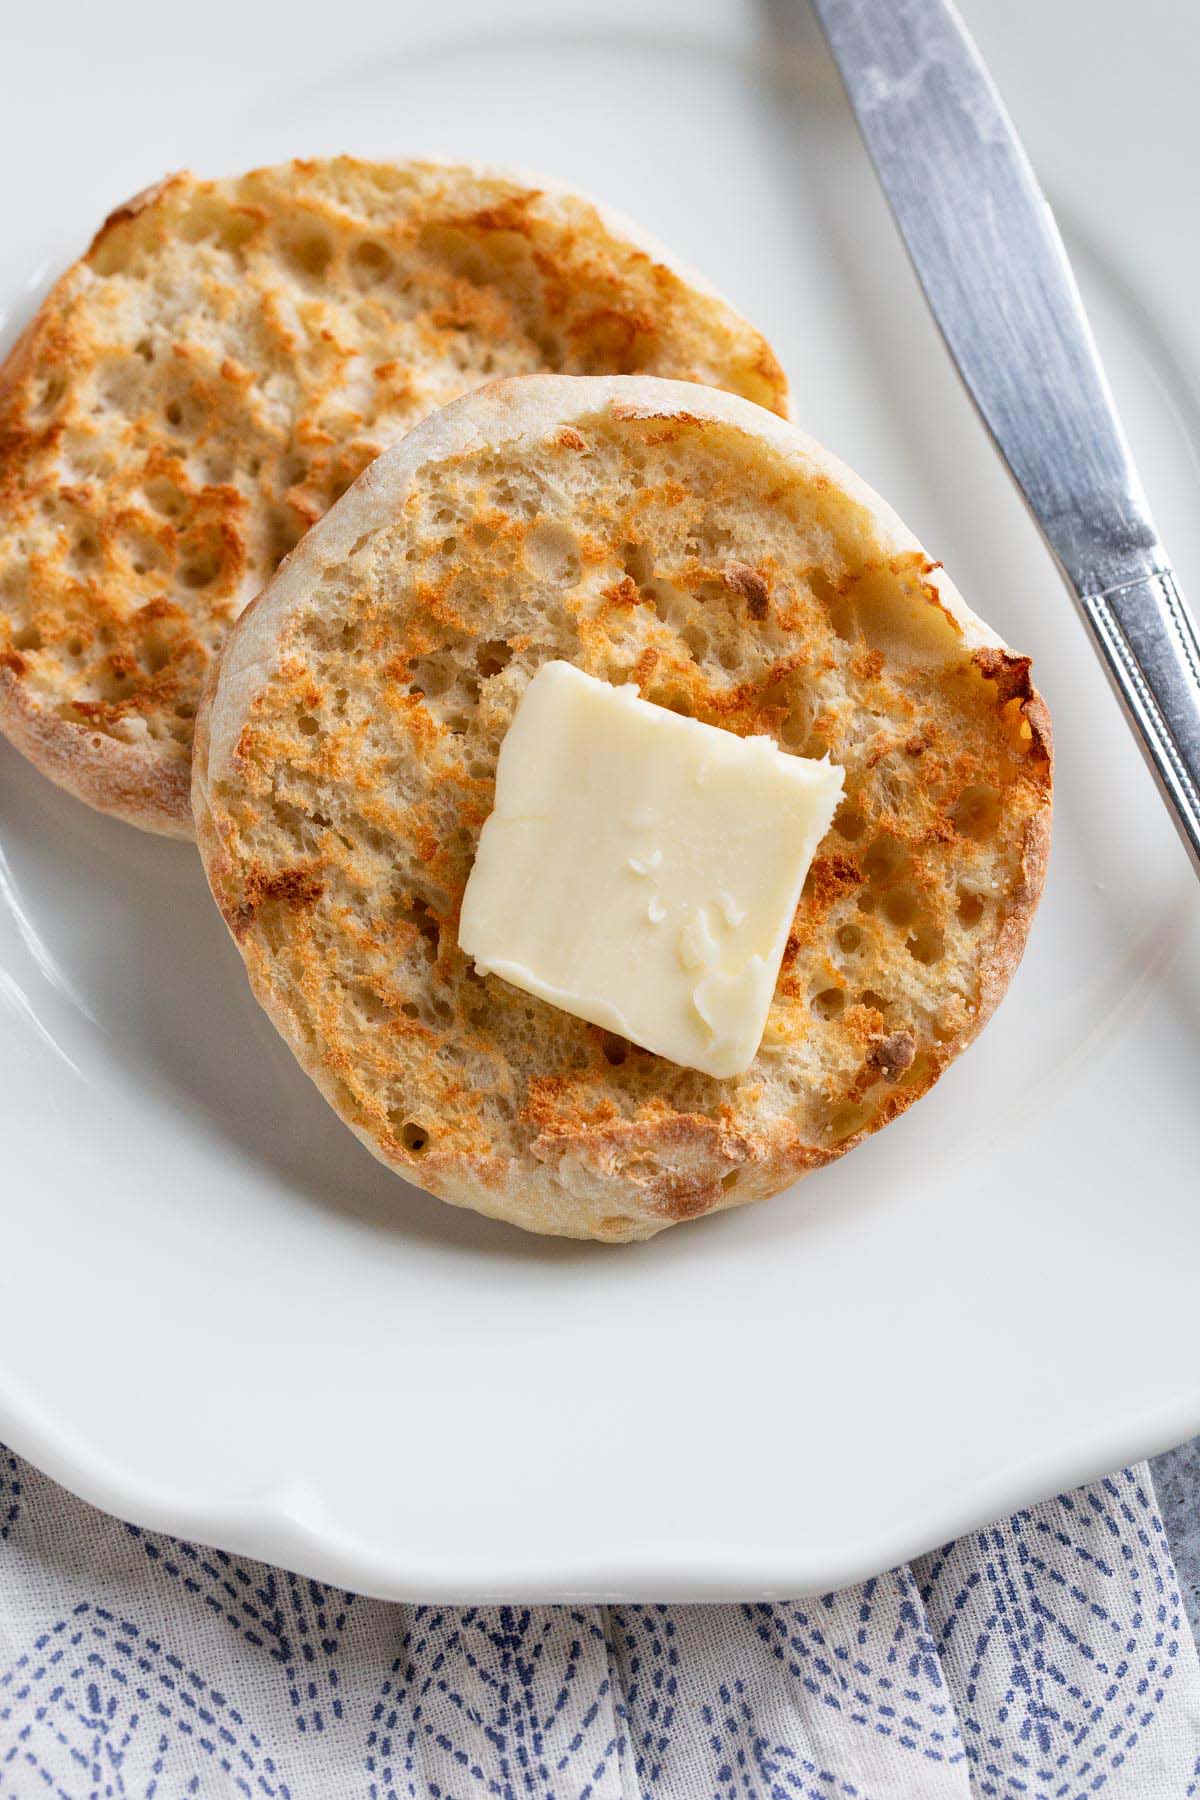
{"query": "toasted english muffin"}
pixel 220 366
pixel 689 541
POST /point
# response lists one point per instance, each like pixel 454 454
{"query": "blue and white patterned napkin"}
pixel 1046 1658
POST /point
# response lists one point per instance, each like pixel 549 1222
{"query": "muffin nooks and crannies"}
pixel 686 540
pixel 220 366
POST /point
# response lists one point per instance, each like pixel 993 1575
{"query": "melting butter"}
pixel 641 870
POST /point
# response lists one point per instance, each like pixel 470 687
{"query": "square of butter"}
pixel 641 870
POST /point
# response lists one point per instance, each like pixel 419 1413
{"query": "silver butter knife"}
pixel 988 254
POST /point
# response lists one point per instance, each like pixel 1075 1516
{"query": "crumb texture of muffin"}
pixel 689 542
pixel 222 363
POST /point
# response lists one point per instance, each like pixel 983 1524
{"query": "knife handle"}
pixel 1148 641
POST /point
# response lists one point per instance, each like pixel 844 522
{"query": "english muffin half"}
pixel 688 541
pixel 219 367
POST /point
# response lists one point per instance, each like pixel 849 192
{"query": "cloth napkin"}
pixel 1047 1656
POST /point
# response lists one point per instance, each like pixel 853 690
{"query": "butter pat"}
pixel 641 870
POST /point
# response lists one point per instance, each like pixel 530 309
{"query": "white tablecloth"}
pixel 1047 1656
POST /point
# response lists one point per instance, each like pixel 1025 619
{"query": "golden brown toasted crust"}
pixel 134 782
pixel 221 364
pixel 345 757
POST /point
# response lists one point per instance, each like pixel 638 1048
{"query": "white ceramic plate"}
pixel 218 1316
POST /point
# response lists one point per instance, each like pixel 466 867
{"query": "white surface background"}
pixel 218 1316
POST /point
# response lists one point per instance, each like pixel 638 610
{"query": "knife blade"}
pixel 988 254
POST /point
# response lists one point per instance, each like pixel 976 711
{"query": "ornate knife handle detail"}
pixel 1148 640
